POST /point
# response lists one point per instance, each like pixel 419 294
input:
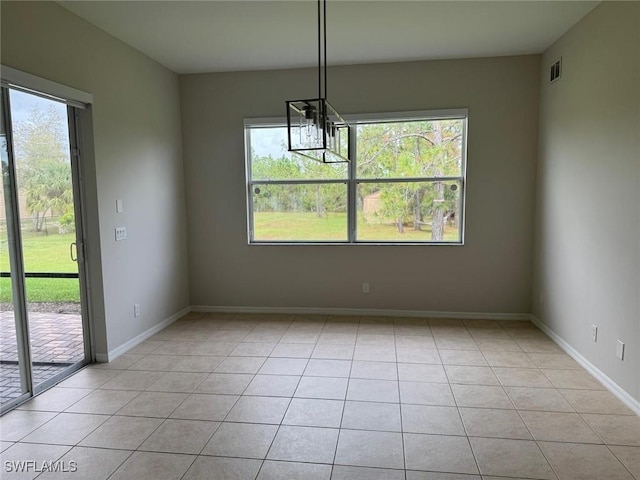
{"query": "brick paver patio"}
pixel 56 342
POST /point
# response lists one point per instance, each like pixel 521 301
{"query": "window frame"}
pixel 352 181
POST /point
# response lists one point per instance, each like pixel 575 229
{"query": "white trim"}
pixel 374 312
pixel 265 122
pixel 63 93
pixel 128 345
pixel 407 116
pixel 612 386
pixel 420 115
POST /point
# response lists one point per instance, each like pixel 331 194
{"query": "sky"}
pixel 269 141
pixel 23 103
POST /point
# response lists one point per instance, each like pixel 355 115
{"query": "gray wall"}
pixel 587 243
pixel 490 273
pixel 138 158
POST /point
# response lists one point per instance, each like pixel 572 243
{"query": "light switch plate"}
pixel 119 206
pixel 620 350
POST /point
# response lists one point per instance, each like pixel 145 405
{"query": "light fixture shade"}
pixel 317 131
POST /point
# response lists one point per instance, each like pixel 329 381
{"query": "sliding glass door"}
pixel 44 334
pixel 14 352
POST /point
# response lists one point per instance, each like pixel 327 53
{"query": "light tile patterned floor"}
pixel 223 396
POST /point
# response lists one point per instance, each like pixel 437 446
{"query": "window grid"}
pixel 352 181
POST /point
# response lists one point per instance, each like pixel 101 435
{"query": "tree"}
pixel 412 150
pixel 321 199
pixel 43 170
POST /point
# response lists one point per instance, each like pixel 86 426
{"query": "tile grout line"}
pixel 229 411
pixel 344 402
pixel 464 426
pixel 238 399
pixel 402 434
pixel 226 415
pixel 264 460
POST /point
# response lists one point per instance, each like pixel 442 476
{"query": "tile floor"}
pixel 222 396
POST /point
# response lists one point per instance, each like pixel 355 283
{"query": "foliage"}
pixel 318 198
pixel 67 222
pixel 404 150
pixel 42 160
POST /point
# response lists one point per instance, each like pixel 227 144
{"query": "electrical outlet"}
pixel 121 233
pixel 594 333
pixel 620 350
pixel 365 287
pixel 136 310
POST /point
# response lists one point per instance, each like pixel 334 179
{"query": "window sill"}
pixel 360 243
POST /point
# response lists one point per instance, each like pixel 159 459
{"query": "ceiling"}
pixel 213 36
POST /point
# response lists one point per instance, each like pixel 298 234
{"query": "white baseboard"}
pixel 116 352
pixel 612 386
pixel 373 312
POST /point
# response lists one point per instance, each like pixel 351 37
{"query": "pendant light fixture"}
pixel 315 129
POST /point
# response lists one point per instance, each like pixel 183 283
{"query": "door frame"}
pixel 75 101
pixel 14 237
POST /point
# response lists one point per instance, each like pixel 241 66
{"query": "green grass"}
pixel 43 253
pixel 44 290
pixel 333 227
pixel 299 226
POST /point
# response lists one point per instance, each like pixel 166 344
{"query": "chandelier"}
pixel 315 129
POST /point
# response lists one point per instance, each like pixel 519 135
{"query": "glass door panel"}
pixel 14 364
pixel 42 330
pixel 45 192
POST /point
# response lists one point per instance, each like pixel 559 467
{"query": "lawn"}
pixel 43 253
pixel 333 227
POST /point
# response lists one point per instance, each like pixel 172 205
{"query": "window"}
pixel 405 184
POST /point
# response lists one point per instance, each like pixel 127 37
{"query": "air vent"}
pixel 555 71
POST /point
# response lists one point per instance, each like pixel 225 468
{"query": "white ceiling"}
pixel 213 36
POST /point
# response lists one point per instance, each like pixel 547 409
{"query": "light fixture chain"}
pixel 319 53
pixel 324 21
pixel 314 128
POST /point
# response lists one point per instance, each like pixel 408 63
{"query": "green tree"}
pixel 321 199
pixel 411 150
pixel 43 170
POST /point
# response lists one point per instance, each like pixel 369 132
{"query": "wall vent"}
pixel 555 72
